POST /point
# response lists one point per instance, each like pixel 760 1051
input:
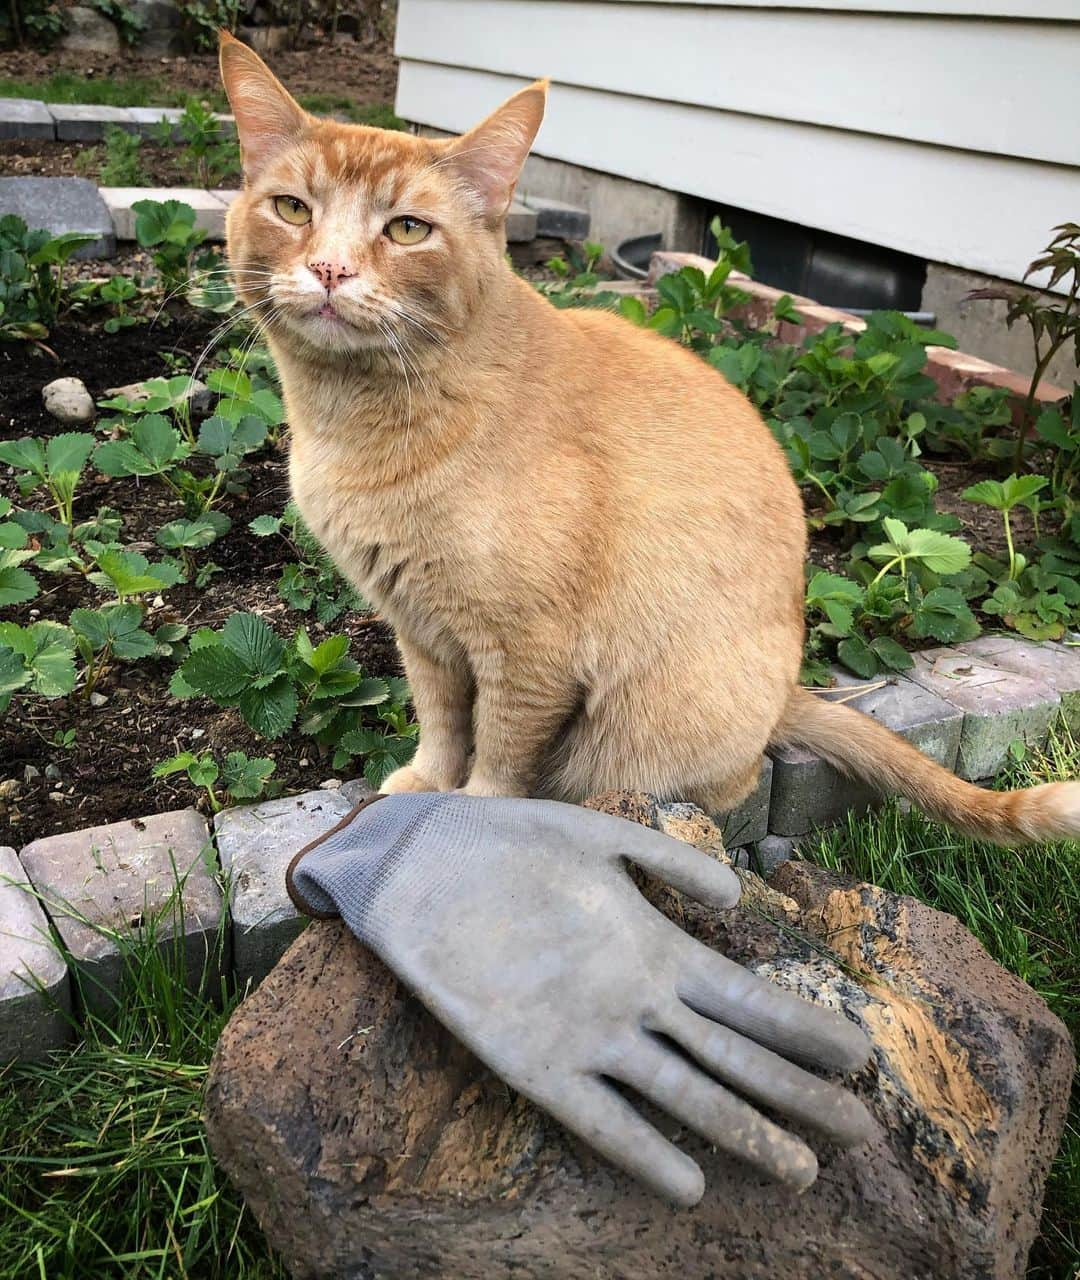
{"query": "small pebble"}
pixel 98 699
pixel 68 401
pixel 57 796
pixel 304 762
pixel 52 771
pixel 331 784
pixel 198 733
pixel 10 788
pixel 30 772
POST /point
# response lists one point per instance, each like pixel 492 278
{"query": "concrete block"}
pixel 147 119
pixel 209 210
pixel 35 994
pixel 25 118
pixel 999 706
pixel 80 122
pixel 750 821
pixel 520 223
pixel 808 793
pixel 1055 664
pixel 105 885
pixel 256 843
pixel 59 205
pixel 356 790
pixel 557 218
pixel 770 852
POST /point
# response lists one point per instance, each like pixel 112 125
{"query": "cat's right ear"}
pixel 267 117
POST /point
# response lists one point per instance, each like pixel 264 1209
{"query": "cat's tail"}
pixel 857 745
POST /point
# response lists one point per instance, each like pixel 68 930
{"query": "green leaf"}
pixel 254 643
pixel 229 382
pixel 215 671
pixel 893 655
pixel 270 711
pixel 263 526
pixel 939 552
pixel 943 615
pixel 16 585
pixel 194 534
pixel 177 764
pixel 14 674
pixel 245 778
pixel 68 452
pixel 154 447
pixel 24 455
pixel 857 656
pixel 989 493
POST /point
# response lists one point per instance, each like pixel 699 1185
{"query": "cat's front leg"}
pixel 442 695
pixel 521 704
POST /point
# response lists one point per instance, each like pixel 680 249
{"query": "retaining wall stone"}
pixel 35 995
pixel 808 792
pixel 999 706
pixel 1054 664
pixel 79 122
pixel 25 118
pixel 256 843
pixel 116 879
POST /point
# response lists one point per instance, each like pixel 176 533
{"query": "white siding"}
pixel 909 123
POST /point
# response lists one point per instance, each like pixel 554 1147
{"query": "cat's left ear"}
pixel 268 118
pixel 489 157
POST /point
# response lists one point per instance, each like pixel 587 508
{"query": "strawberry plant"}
pixel 237 777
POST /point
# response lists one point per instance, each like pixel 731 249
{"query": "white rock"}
pixel 98 699
pixel 68 400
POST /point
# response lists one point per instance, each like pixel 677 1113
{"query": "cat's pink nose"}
pixel 330 274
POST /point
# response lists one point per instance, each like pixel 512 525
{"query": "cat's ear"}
pixel 267 117
pixel 489 157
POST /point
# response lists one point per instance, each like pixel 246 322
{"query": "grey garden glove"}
pixel 516 923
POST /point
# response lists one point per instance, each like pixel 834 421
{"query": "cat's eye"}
pixel 292 210
pixel 407 230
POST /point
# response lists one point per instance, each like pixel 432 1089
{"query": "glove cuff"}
pixel 297 898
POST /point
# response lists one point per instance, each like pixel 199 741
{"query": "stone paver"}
pixel 35 995
pixel 520 224
pixel 209 210
pixel 558 219
pixel 1057 665
pixel 25 118
pixel 256 843
pixel 807 792
pixel 108 883
pixel 147 119
pixel 750 821
pixel 999 706
pixel 79 122
pixel 59 205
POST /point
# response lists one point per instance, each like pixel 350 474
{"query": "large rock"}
pixel 88 31
pixel 369 1143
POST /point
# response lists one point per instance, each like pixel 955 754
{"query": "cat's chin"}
pixel 333 333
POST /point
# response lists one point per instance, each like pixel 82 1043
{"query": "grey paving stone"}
pixel 105 884
pixel 81 122
pixel 520 224
pixel 61 204
pixel 809 793
pixel 770 852
pixel 256 844
pixel 209 210
pixel 750 821
pixel 25 118
pixel 35 994
pixel 555 218
pixel 999 706
pixel 1055 664
pixel 147 119
pixel 356 790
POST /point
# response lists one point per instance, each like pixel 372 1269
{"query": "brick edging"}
pixel 953 371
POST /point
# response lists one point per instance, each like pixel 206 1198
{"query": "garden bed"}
pixel 157 166
pixel 105 773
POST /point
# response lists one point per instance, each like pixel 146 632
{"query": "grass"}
pixel 1024 907
pixel 105 1170
pixel 104 1167
pixel 144 91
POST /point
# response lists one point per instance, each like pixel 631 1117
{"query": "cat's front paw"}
pixel 406 779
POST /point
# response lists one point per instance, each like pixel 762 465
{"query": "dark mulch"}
pixel 364 70
pixel 158 166
pixel 105 776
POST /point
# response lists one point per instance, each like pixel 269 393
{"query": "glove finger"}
pixel 610 1125
pixel 680 865
pixel 718 988
pixel 767 1078
pixel 667 1079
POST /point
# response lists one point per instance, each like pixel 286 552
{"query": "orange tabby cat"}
pixel 588 543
